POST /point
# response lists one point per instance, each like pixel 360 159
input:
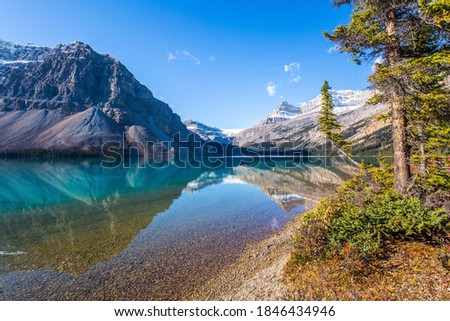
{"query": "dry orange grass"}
pixel 409 271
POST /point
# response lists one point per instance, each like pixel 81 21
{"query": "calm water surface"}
pixel 73 230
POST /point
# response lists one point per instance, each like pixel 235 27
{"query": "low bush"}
pixel 363 215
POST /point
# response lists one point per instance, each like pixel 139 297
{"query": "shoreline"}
pixel 257 275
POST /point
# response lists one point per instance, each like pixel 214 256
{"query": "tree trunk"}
pixel 349 157
pixel 402 172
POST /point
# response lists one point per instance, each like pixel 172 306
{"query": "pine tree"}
pixel 329 124
pixel 327 120
pixel 427 106
pixel 396 31
pixel 423 75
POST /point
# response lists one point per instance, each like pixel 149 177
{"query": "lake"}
pixel 75 230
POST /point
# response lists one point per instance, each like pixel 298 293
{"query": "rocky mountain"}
pixel 358 120
pixel 17 56
pixel 208 133
pixel 71 97
pixel 343 100
pixel 282 112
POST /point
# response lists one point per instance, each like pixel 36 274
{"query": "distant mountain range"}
pixel 208 133
pixel 342 100
pixel 296 126
pixel 71 97
pixel 357 117
pixel 282 112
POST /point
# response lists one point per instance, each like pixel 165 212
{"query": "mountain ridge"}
pixel 208 133
pixel 282 112
pixel 68 80
pixel 297 128
pixel 347 98
pixel 357 117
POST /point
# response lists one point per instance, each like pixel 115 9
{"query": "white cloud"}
pixel 183 55
pixel 171 57
pixel 191 57
pixel 295 79
pixel 293 69
pixel 379 60
pixel 212 58
pixel 271 89
pixel 333 49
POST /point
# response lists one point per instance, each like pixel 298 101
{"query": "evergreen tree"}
pixel 427 106
pixel 327 120
pixel 329 124
pixel 401 32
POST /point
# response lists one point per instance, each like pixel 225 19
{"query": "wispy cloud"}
pixel 191 57
pixel 293 69
pixel 271 89
pixel 171 57
pixel 183 55
pixel 212 58
pixel 333 49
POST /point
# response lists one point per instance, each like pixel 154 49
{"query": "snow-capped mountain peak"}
pixel 10 52
pixel 282 112
pixel 72 97
pixel 356 117
pixel 208 133
pixel 342 99
pixel 18 56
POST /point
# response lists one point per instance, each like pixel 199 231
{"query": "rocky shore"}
pixel 258 273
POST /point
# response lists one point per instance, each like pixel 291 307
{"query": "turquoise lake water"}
pixel 74 230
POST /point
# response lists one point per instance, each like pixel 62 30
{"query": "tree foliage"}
pixel 329 124
pixel 409 41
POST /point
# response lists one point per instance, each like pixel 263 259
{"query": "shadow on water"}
pixel 67 216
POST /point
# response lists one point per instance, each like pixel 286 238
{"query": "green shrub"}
pixel 435 179
pixel 363 214
pixel 386 217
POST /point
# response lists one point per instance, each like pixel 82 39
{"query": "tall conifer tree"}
pixel 329 124
pixel 396 31
pixel 327 120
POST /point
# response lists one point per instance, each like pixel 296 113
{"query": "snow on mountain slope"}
pixel 17 56
pixel 298 127
pixel 358 120
pixel 232 132
pixel 284 111
pixel 343 100
pixel 10 52
pixel 208 133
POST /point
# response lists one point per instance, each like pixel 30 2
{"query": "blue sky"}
pixel 225 63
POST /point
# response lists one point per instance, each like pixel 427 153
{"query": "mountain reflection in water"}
pixel 73 222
